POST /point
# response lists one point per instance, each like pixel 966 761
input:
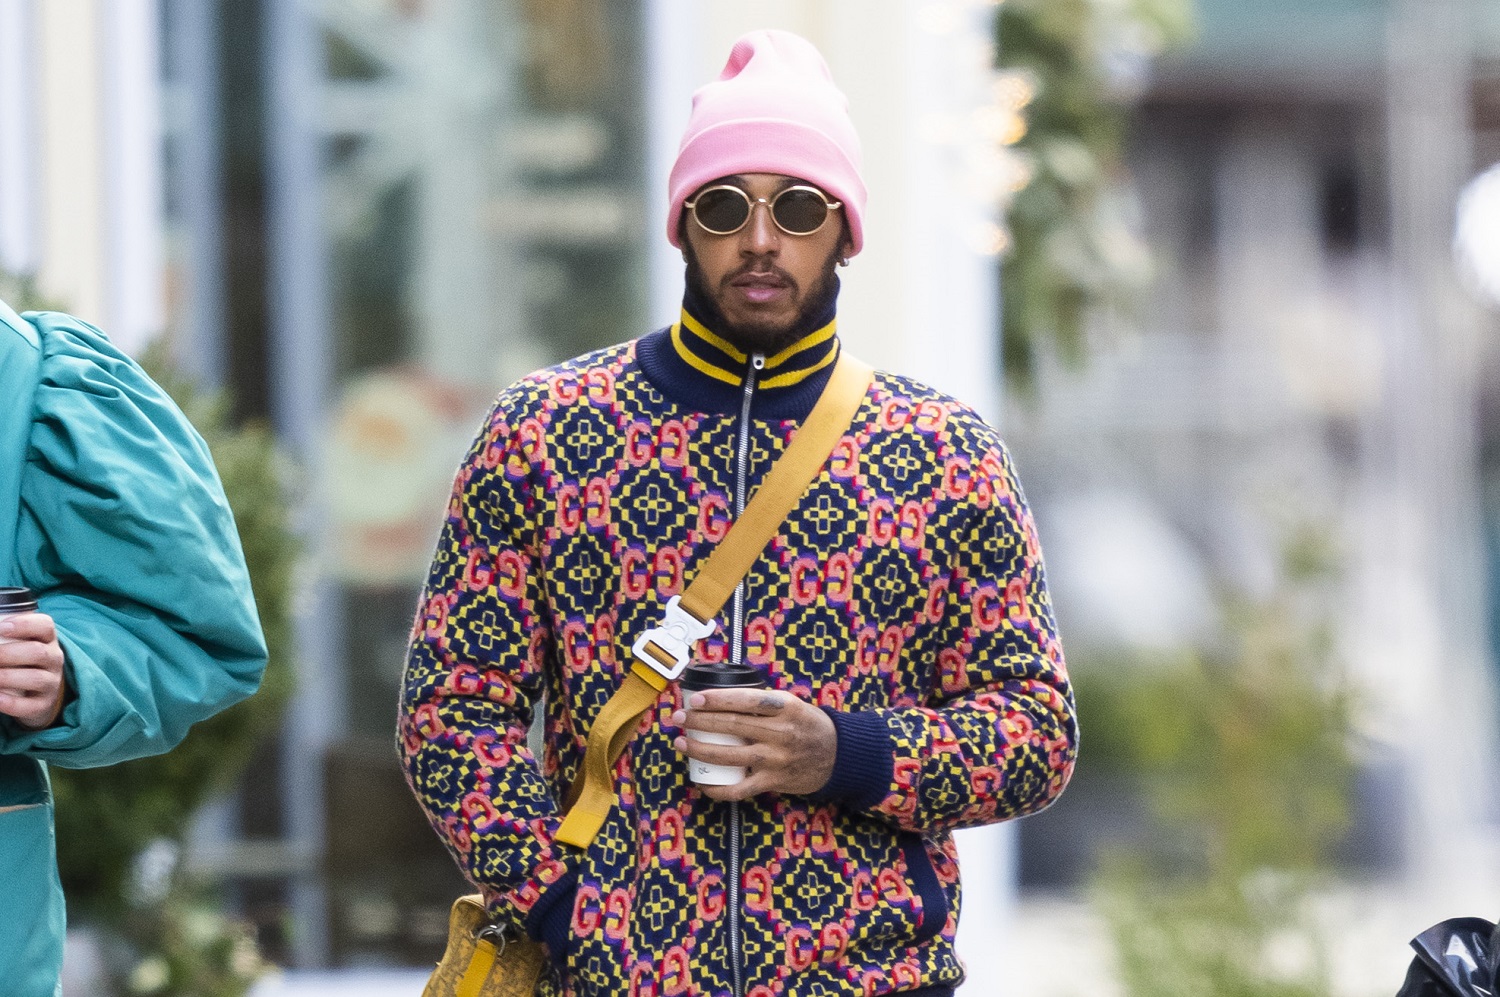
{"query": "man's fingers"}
pixel 35 711
pixel 751 727
pixel 31 654
pixel 26 681
pixel 742 790
pixel 761 702
pixel 15 706
pixel 739 756
pixel 28 626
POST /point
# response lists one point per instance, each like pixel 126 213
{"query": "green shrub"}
pixel 1244 753
pixel 1073 249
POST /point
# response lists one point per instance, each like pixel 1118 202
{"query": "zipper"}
pixel 741 474
pixel 736 655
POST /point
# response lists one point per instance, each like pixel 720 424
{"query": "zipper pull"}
pixel 758 361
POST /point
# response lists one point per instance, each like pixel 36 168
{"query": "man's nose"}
pixel 761 236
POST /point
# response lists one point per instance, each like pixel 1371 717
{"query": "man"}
pixel 112 515
pixel 900 617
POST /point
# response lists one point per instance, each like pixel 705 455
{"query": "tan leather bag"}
pixel 488 960
pixel 481 961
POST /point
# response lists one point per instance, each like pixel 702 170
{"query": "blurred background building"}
pixel 1307 355
pixel 363 217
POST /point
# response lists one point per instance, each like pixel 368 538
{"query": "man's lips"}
pixel 759 288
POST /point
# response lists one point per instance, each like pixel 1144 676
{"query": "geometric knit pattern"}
pixel 905 591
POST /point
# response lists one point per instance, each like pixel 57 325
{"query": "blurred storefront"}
pixel 1306 355
pixel 377 212
pixel 380 212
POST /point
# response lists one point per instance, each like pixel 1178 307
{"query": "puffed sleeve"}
pixel 126 536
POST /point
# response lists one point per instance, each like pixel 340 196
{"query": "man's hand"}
pixel 31 670
pixel 790 745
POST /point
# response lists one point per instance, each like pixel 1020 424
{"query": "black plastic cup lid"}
pixel 17 600
pixel 713 676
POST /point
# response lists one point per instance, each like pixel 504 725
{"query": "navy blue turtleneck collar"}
pixel 693 365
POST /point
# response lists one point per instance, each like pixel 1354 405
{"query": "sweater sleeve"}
pixel 997 736
pixel 125 535
pixel 474 672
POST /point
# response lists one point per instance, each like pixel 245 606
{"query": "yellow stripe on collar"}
pixel 713 339
pixel 805 343
pixel 772 377
pixel 793 376
pixel 697 362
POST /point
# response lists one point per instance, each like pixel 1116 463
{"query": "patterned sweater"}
pixel 905 595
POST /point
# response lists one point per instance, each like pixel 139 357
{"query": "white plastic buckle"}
pixel 678 632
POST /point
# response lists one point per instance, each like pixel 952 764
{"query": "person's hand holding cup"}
pixel 742 739
pixel 31 662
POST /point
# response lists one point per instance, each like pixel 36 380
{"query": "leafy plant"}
pixel 1245 752
pixel 21 293
pixel 1072 245
pixel 181 944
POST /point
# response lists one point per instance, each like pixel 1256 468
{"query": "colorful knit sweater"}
pixel 905 595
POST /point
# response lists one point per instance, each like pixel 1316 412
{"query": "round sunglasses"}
pixel 725 209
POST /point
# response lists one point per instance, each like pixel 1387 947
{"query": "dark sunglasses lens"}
pixel 721 210
pixel 800 211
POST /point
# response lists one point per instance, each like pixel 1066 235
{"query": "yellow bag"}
pixel 484 960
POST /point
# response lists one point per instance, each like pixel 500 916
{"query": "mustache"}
pixel 760 268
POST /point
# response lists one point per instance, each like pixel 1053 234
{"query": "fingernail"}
pixel 680 744
pixel 677 719
pixel 696 701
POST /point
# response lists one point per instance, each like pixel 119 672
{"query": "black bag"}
pixel 1459 957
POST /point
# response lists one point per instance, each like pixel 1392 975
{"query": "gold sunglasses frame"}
pixel 770 204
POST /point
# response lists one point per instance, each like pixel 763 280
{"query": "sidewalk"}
pixel 344 983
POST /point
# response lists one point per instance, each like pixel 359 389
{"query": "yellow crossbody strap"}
pixel 479 969
pixel 662 653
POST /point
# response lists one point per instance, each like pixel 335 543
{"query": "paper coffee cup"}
pixel 701 678
pixel 13 602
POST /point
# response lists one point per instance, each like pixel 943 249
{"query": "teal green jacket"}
pixel 111 511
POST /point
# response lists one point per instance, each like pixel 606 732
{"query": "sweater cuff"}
pixel 550 920
pixel 863 763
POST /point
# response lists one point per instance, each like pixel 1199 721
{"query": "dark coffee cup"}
pixel 702 678
pixel 14 601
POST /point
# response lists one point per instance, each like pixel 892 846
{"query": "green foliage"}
pixel 184 946
pixel 20 292
pixel 106 817
pixel 1244 750
pixel 1072 247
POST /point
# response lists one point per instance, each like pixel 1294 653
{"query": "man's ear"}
pixel 845 249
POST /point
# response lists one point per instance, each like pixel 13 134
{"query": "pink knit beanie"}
pixel 774 109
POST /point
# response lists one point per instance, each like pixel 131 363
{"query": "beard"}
pixel 767 337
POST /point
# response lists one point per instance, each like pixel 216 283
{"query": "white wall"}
pixel 130 62
pixel 18 161
pixel 80 158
